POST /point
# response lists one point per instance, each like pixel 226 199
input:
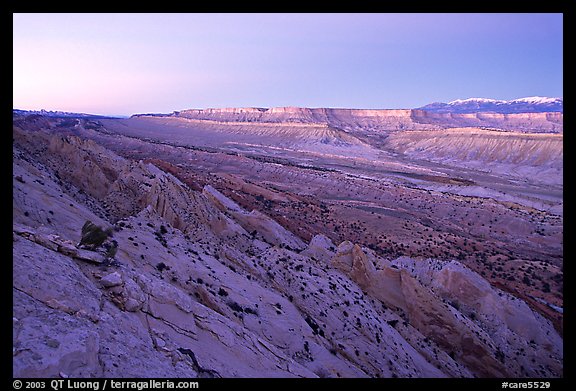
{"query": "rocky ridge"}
pixel 380 120
pixel 201 287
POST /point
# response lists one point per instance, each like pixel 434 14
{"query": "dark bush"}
pixel 392 323
pixel 252 311
pixel 111 249
pixel 235 306
pixel 93 236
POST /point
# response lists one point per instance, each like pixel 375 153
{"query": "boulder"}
pixel 111 280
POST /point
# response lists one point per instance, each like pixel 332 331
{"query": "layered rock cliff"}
pixel 536 157
pixel 528 122
pixel 381 119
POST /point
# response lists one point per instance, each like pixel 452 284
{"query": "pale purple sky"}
pixel 121 64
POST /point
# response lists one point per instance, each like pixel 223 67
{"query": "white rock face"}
pixel 529 114
pixel 192 292
pixel 320 248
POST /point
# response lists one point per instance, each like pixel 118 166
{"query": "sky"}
pixel 122 64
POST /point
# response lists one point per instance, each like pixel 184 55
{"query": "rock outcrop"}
pixel 456 308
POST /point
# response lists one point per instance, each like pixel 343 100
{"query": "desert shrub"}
pixel 111 249
pixel 235 306
pixel 93 236
pixel 252 311
pixel 160 238
pixel 526 280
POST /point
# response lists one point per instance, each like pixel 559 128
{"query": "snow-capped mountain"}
pixel 533 104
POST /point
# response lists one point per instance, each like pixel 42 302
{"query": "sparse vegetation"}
pixel 93 236
pixel 111 249
pixel 159 235
pixel 392 322
pixel 235 306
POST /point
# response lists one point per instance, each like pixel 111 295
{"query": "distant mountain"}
pixel 57 114
pixel 534 104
